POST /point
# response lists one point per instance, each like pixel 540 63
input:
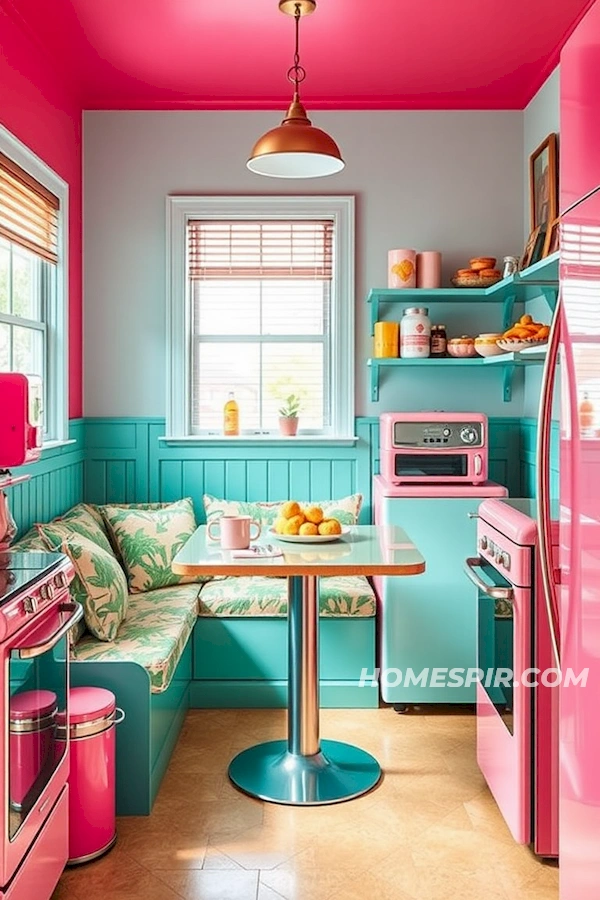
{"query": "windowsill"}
pixel 305 440
pixel 53 445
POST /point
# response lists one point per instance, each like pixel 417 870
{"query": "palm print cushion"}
pixel 32 542
pixel 345 510
pixel 148 540
pixel 158 626
pixel 102 583
pixel 259 596
pixel 82 521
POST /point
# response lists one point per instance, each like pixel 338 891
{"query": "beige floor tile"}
pixel 295 882
pixel 267 893
pixel 367 886
pixel 212 885
pixel 156 850
pixel 216 859
pixel 116 876
pixel 260 847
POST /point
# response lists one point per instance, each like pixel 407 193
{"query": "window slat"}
pixel 28 211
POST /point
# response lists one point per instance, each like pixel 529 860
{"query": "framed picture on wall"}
pixel 533 248
pixel 543 183
pixel 552 241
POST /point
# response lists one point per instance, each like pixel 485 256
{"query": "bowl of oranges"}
pixel 523 334
pixel 306 525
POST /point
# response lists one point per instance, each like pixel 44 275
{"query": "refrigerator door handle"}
pixel 543 482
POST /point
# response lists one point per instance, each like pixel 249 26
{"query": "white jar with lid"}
pixel 415 333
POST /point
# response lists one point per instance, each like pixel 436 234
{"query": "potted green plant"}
pixel 288 415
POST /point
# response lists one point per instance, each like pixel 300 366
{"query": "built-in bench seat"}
pixel 218 644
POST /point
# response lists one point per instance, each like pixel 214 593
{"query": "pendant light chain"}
pixel 296 73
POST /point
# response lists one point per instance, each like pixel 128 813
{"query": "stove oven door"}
pixel 35 664
pixel 503 700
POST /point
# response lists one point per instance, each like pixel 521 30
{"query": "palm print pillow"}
pixel 345 510
pixel 102 583
pixel 83 520
pixel 148 540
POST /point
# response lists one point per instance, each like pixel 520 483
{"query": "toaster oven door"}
pixel 431 466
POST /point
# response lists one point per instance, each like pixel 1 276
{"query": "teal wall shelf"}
pixel 536 280
pixel 507 363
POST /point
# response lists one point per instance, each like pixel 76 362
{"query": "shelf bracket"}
pixel 551 296
pixel 374 378
pixel 507 313
pixel 508 376
pixel 374 313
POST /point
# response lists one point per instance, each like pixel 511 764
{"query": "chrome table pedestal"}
pixel 303 771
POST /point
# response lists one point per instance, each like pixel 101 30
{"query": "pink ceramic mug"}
pixel 235 532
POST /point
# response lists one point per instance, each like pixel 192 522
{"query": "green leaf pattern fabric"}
pixel 158 627
pixel 102 583
pixel 345 510
pixel 31 542
pixel 148 540
pixel 259 596
pixel 78 521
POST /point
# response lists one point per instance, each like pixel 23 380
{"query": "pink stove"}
pixel 517 695
pixel 36 614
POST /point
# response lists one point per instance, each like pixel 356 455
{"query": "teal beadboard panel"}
pixel 117 459
pixel 528 458
pixel 55 482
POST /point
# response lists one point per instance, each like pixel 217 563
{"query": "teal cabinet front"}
pixel 429 622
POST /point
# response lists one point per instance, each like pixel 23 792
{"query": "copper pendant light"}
pixel 296 149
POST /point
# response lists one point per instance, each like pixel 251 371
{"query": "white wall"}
pixel 431 180
pixel 541 117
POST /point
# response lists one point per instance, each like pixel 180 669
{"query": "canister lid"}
pixel 89 703
pixel 28 705
pixel 416 311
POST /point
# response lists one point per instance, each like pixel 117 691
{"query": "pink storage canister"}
pixel 32 735
pixel 402 268
pixel 92 816
pixel 429 269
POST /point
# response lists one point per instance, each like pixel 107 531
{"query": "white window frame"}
pixel 180 210
pixel 56 312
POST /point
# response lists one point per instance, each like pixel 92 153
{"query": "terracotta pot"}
pixel 288 425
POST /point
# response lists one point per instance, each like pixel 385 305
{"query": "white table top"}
pixel 365 550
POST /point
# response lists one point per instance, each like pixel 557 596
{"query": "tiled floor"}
pixel 429 831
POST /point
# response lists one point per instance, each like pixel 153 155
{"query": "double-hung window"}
pixel 261 304
pixel 32 298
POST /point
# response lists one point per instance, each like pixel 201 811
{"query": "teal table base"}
pixel 303 771
pixel 338 772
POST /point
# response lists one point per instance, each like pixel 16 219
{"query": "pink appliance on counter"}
pixel 433 447
pixel 35 615
pixel 517 704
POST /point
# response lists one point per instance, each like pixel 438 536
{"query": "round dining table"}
pixel 305 770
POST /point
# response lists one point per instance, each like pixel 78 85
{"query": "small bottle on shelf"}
pixel 231 416
pixel 439 342
pixel 586 413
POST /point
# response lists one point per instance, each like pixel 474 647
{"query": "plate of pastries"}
pixel 306 525
pixel 482 272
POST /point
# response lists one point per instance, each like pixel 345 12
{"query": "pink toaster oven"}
pixel 433 447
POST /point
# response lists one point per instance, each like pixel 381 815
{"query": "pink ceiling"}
pixel 359 54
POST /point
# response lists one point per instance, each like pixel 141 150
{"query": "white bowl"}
pixel 487 348
pixel 514 345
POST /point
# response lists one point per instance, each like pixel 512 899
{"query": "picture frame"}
pixel 552 240
pixel 543 183
pixel 533 248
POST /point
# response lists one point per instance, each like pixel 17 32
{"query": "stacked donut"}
pixel 479 267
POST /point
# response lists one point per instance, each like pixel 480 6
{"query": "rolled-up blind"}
pixel 28 211
pixel 260 249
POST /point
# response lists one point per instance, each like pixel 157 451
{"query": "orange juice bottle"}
pixel 231 416
pixel 586 412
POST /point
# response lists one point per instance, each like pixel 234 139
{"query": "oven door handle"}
pixel 76 610
pixel 495 592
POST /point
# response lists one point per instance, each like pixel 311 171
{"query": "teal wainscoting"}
pixel 55 482
pixel 528 458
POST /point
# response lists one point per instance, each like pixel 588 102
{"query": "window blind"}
pixel 28 211
pixel 260 249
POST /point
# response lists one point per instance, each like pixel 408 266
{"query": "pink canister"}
pixel 32 735
pixel 92 815
pixel 402 269
pixel 429 269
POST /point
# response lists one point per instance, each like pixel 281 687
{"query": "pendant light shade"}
pixel 296 149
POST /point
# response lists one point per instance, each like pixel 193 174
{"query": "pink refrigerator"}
pixel 573 590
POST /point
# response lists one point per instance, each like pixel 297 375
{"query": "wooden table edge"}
pixel 284 571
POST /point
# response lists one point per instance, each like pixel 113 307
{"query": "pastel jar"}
pixel 429 269
pixel 402 269
pixel 386 339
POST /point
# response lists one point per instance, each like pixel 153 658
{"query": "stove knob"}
pixel 47 591
pixel 30 604
pixel 447 432
pixel 506 561
pixel 468 435
pixel 483 543
pixel 61 580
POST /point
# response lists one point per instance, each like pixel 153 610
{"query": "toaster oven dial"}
pixel 483 543
pixel 468 435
